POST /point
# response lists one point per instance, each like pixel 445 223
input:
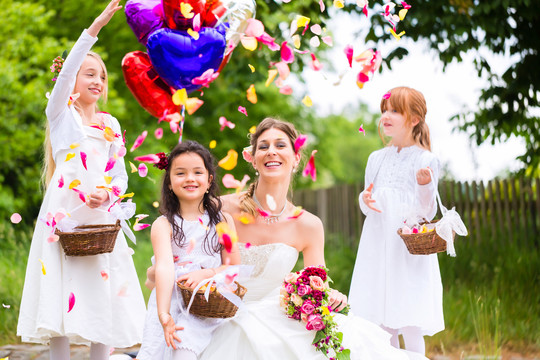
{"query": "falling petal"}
pixel 143 170
pixel 396 36
pixel 314 41
pixel 193 104
pixel 242 110
pixel 116 190
pixel 249 43
pixel 272 73
pixel 315 63
pixel 180 97
pixel 74 145
pixel 133 167
pixel 363 78
pixel 287 55
pixel 6 307
pixel 402 13
pixel 230 182
pixel 197 23
pixel 245 218
pixel 155 204
pixel 405 5
pixel 387 95
pixel 15 218
pixel 82 194
pixel 262 212
pixel 109 134
pixel 316 29
pixel 223 122
pixel 185 9
pixel 255 28
pixel 229 162
pixel 158 133
pixel 206 78
pixel 126 195
pixel 251 94
pixel 123 290
pixel 83 159
pixel 283 70
pixel 69 156
pixel 349 53
pixel 52 238
pixel 252 129
pixel 150 158
pixel 212 144
pixel 321 5
pixel 271 202
pixel 247 245
pixel 122 151
pixel 310 169
pixel 104 275
pixel 74 184
pixel 297 213
pixel 328 40
pixel 191 246
pixel 110 164
pixel 362 130
pixel 299 143
pixel 339 4
pixel 307 101
pixel 71 302
pixel 138 142
pixel 302 21
pixel 286 90
pixel 139 227
pixel 296 41
pixel 227 237
pixel 108 179
pixel 61 181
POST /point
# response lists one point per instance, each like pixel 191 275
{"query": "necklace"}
pixel 270 219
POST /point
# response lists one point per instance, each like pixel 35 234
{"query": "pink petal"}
pixel 230 182
pixel 61 181
pixel 364 10
pixel 316 29
pixel 15 218
pixel 139 140
pixel 242 110
pixel 315 63
pixel 263 213
pixel 53 238
pixel 349 53
pixel 82 194
pixel 310 167
pixel 321 4
pixel 143 170
pixel 286 90
pixel 248 245
pixel 139 227
pixel 405 5
pixel 116 190
pixel 229 278
pixel 299 143
pixel 197 23
pixel 104 275
pixel 387 95
pixel 255 28
pixel 227 242
pixel 158 133
pixel 363 78
pixel 110 164
pixel 150 158
pixel 83 159
pixel 328 40
pixel 71 302
pixel 362 130
pixel 268 41
pixel 283 70
pixel 287 55
pixel 122 151
pixel 191 246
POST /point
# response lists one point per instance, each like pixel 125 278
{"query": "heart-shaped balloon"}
pixel 174 17
pixel 178 57
pixel 151 92
pixel 144 17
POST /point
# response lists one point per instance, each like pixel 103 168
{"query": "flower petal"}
pixel 71 302
pixel 251 94
pixel 229 162
pixel 138 142
pixel 143 170
pixel 15 218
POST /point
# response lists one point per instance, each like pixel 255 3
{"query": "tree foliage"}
pixel 510 104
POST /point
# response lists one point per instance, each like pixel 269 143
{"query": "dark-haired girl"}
pixel 186 247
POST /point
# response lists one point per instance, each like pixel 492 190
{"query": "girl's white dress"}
pixel 109 305
pixel 390 286
pixel 197 330
pixel 262 331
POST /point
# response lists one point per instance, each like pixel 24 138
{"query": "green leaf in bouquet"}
pixel 319 336
pixel 344 355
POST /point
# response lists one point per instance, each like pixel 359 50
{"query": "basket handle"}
pixel 441 206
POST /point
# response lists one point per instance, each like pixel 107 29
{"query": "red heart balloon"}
pixel 145 84
pixel 173 16
pixel 213 10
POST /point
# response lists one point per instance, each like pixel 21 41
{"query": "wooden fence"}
pixel 499 210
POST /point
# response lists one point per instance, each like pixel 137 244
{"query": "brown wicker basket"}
pixel 217 305
pixel 89 239
pixel 425 243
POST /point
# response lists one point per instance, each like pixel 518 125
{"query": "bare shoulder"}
pixel 161 224
pixel 310 223
pixel 231 202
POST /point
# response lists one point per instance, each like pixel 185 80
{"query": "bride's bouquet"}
pixel 304 297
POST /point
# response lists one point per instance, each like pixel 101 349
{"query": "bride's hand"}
pixel 337 300
pixel 169 329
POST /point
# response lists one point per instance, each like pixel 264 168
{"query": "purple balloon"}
pixel 178 58
pixel 144 17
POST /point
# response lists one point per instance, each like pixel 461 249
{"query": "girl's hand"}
pixel 104 18
pixel 97 198
pixel 423 176
pixel 195 277
pixel 366 197
pixel 337 300
pixel 169 329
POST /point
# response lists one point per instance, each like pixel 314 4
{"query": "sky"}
pixel 447 93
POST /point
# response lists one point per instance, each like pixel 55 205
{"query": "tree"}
pixel 510 104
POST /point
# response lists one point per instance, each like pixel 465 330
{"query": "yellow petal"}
pixel 192 104
pixel 339 4
pixel 252 68
pixel 325 310
pixel 402 13
pixel 74 184
pixel 185 9
pixel 70 156
pixel 74 145
pixel 252 129
pixel 251 94
pixel 133 168
pixel 213 144
pixel 307 101
pixel 296 41
pixel 108 179
pixel 249 43
pixel 43 268
pixel 155 204
pixel 126 195
pixel 229 161
pixel 193 33
pixel 360 84
pixel 272 73
pixel 180 97
pixel 302 21
pixel 109 134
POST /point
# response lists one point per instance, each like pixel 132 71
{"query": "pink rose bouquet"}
pixel 304 297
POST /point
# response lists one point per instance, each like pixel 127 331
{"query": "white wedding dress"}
pixel 261 330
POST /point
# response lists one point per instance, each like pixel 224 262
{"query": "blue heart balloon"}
pixel 178 58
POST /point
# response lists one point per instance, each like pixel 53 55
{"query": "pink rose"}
pixel 297 300
pixel 291 278
pixel 317 283
pixel 307 307
pixel 303 290
pixel 315 322
pixel 304 317
pixel 289 288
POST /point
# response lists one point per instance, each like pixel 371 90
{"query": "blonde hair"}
pixel 412 104
pixel 49 166
pixel 246 202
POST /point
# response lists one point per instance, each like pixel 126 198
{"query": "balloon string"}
pixel 182 114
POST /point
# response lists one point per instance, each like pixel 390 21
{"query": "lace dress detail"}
pixel 257 257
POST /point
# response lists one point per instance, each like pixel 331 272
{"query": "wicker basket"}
pixel 217 305
pixel 89 239
pixel 424 243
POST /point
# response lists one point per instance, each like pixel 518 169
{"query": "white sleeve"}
pixel 118 172
pixel 426 195
pixel 368 179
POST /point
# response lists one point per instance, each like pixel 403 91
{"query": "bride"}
pixel 261 330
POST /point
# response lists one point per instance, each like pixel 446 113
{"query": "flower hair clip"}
pixel 57 64
pixel 163 163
